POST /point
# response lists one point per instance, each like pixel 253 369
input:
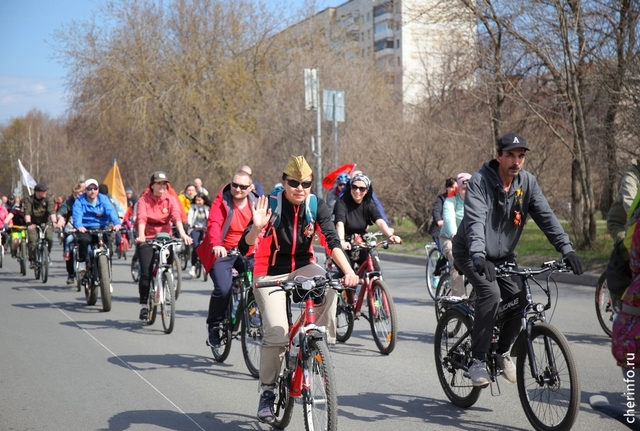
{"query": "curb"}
pixel 586 279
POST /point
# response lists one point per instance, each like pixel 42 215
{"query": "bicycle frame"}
pixel 161 255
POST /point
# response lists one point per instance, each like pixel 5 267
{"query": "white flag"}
pixel 27 179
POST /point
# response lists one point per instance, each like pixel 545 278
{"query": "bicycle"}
pixel 1 247
pixel 382 311
pixel 444 290
pixel 161 288
pixel 200 270
pixel 436 261
pixel 98 270
pixel 242 317
pixel 306 370
pixel 177 272
pixel 124 245
pixel 42 255
pixel 606 308
pixel 21 254
pixel 547 375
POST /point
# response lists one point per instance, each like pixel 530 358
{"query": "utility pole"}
pixel 312 101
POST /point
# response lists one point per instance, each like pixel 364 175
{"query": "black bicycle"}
pixel 606 308
pixel 98 270
pixel 546 370
pixel 242 317
pixel 41 268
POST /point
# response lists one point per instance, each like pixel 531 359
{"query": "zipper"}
pixel 294 237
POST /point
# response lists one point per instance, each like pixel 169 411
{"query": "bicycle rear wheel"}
pixel 1 254
pixel 198 268
pixel 168 307
pixel 221 352
pixel 382 317
pixel 44 264
pixel 135 269
pixel 452 348
pixel 443 289
pixel 252 335
pixel 551 399
pixel 105 282
pixel 605 309
pixel 344 317
pixel 432 279
pixel 184 257
pixel 321 410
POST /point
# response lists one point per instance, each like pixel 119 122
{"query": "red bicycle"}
pixel 124 246
pixel 382 311
pixel 306 370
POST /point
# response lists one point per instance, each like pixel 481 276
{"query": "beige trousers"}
pixel 273 310
pixel 457 281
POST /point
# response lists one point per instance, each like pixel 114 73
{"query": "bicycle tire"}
pixel 198 269
pixel 90 293
pixel 321 411
pixel 344 318
pixel 283 405
pixel 382 317
pixel 105 282
pixel 221 353
pixel 454 329
pixel 177 279
pixel 205 274
pixel 252 335
pixel 44 272
pixel 152 308
pixel 135 269
pixel 184 257
pixel 561 382
pixel 168 307
pixel 37 270
pixel 605 309
pixel 1 255
pixel 432 280
pixel 23 258
pixel 443 289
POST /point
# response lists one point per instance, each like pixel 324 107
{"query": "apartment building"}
pixel 418 45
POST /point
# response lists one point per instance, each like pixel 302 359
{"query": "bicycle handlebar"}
pixel 308 284
pixel 508 269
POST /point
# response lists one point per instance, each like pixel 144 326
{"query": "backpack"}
pixel 275 204
pixel 618 271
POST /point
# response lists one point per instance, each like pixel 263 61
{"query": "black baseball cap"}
pixel 158 176
pixel 41 188
pixel 11 196
pixel 511 141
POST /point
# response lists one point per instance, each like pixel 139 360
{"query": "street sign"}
pixel 333 105
pixel 311 89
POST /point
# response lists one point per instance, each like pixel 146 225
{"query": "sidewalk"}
pixel 586 279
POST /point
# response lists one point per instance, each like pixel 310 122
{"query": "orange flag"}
pixel 116 188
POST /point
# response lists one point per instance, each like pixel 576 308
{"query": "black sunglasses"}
pixel 295 184
pixel 239 186
pixel 359 189
pixel 91 189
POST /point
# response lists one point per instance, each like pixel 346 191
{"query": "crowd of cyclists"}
pixel 477 224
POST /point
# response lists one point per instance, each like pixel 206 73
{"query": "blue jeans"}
pixel 222 277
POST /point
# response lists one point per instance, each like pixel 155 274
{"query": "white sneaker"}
pixel 82 266
pixel 192 271
pixel 478 373
pixel 508 368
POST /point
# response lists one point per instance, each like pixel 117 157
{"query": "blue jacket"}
pixel 88 215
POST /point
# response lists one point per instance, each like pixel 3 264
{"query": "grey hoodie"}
pixel 488 227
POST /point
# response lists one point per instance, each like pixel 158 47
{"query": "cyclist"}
pixel 284 252
pixel 11 202
pixel 91 210
pixel 498 200
pixel 130 196
pixel 452 211
pixel 336 191
pixel 156 209
pixel 355 211
pixel 4 236
pixel 197 220
pixel 187 196
pixel 15 217
pixel 199 189
pixel 256 185
pixel 38 210
pixel 436 211
pixel 629 188
pixel 65 221
pixel 229 216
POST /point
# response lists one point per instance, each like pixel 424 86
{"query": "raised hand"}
pixel 261 212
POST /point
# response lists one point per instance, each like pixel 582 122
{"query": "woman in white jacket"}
pixel 197 220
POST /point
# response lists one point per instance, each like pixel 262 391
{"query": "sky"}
pixel 30 78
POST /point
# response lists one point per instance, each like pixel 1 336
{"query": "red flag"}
pixel 328 181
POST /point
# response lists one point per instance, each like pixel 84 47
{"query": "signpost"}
pixel 311 102
pixel 333 105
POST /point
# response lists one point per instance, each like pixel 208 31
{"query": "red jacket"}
pixel 157 213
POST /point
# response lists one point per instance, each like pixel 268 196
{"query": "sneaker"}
pixel 82 266
pixel 192 271
pixel 32 264
pixel 67 256
pixel 71 279
pixel 265 407
pixel 508 368
pixel 144 313
pixel 213 340
pixel 478 373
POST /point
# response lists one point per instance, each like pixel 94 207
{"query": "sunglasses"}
pixel 239 186
pixel 295 184
pixel 91 189
pixel 342 184
pixel 359 189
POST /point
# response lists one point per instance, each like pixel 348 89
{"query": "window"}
pixel 397 43
pixel 380 27
pixel 368 34
pixel 399 62
pixel 368 16
pixel 383 8
pixel 383 44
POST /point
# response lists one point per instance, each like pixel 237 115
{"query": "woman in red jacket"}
pixel 157 208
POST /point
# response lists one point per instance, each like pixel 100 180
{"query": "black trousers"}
pixel 488 295
pixel 145 257
pixel 222 277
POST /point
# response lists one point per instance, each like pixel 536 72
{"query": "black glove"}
pixel 574 261
pixel 485 268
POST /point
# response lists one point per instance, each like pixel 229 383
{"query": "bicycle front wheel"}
pixel 452 348
pixel 344 317
pixel 551 398
pixel 252 335
pixel 23 258
pixel 432 279
pixel 444 289
pixel 105 282
pixel 605 309
pixel 321 410
pixel 44 264
pixel 168 306
pixel 382 317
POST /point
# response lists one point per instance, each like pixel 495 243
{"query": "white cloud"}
pixel 18 95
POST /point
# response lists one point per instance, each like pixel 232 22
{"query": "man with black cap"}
pixel 499 198
pixel 38 210
pixel 11 202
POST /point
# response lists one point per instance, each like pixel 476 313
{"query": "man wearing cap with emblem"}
pixel 284 250
pixel 38 210
pixel 498 200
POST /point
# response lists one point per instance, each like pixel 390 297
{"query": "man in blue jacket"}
pixel 91 210
pixel 498 199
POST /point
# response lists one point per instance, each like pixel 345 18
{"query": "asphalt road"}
pixel 67 366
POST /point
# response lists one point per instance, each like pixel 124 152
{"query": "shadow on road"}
pixel 174 420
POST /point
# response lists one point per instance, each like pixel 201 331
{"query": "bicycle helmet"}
pixel 343 178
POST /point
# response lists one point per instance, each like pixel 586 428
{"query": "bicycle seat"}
pixel 163 235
